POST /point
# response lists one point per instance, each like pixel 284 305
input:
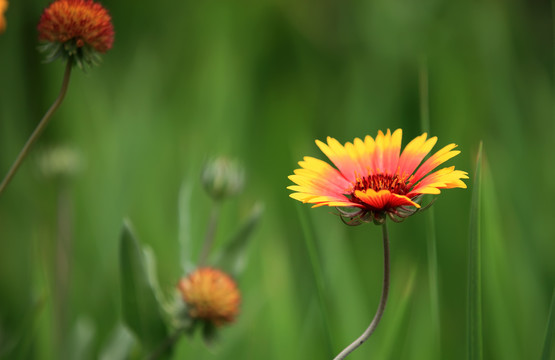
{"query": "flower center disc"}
pixel 378 182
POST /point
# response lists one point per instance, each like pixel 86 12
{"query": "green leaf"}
pixel 547 344
pixel 141 311
pixel 118 345
pixel 233 256
pixel 474 326
pixel 20 344
pixel 81 339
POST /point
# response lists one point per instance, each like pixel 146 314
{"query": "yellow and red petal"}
pixel 434 161
pixel 319 200
pixel 413 154
pixel 321 175
pixel 383 200
pixel 445 178
pixel 388 148
pixel 340 157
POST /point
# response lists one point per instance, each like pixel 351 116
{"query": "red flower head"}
pixel 77 29
pixel 211 295
pixel 373 178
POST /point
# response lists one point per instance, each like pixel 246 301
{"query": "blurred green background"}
pixel 259 81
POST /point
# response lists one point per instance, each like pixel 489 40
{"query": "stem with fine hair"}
pixel 40 127
pixel 381 307
pixel 210 232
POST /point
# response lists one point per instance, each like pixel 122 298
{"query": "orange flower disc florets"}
pixel 83 21
pixel 211 295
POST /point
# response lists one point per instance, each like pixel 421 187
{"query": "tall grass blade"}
pixel 547 344
pixel 431 239
pixel 309 239
pixel 391 340
pixel 474 310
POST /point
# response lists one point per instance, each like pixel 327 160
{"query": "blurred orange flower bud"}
pixel 210 295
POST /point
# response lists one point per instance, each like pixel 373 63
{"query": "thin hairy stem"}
pixel 40 127
pixel 381 307
pixel 210 232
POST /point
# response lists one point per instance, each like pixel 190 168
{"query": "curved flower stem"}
pixel 210 232
pixel 381 307
pixel 40 127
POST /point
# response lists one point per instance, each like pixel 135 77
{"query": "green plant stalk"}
pixel 383 301
pixel 317 271
pixel 474 326
pixel 210 232
pixel 39 129
pixel 184 227
pixel 431 242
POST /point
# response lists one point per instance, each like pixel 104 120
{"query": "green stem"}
pixel 381 307
pixel 40 127
pixel 210 232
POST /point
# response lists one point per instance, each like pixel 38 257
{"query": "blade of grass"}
pixel 431 239
pixel 474 310
pixel 397 321
pixel 309 238
pixel 498 280
pixel 547 344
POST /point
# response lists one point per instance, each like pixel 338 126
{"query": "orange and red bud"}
pixel 77 29
pixel 210 295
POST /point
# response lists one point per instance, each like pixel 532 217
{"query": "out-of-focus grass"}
pixel 261 81
pixel 475 338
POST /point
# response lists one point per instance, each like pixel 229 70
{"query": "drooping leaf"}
pixel 141 311
pixel 474 326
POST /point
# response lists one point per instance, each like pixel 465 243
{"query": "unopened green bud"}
pixel 222 178
pixel 60 161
